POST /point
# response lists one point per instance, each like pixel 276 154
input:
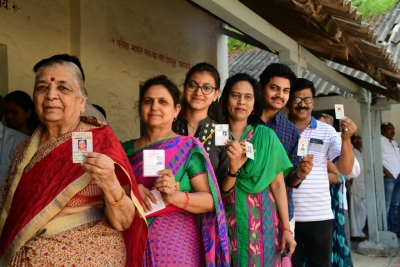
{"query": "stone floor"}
pixel 364 261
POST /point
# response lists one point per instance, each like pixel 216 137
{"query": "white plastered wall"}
pixel 97 31
pixel 36 30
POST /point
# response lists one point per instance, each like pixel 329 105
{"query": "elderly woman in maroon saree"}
pixel 56 212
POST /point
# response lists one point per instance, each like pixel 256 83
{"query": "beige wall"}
pixel 36 30
pixel 93 30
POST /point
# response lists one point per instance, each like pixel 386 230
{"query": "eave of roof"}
pixel 332 29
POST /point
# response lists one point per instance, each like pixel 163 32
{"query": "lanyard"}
pixel 208 137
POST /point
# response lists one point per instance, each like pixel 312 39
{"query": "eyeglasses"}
pixel 206 89
pixel 306 100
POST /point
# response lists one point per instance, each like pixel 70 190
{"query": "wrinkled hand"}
pixel 305 165
pixel 236 153
pixel 288 240
pixel 166 185
pixel 348 127
pixel 102 169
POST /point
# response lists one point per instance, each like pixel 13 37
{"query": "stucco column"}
pixel 365 108
pixel 222 56
pixel 378 167
pixel 374 187
pixel 293 60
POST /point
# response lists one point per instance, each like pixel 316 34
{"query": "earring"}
pixel 174 119
pixel 82 110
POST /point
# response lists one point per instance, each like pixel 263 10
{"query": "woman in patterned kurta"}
pixel 200 112
pixel 188 186
pixel 54 211
pixel 256 209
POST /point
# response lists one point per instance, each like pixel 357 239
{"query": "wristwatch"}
pixel 233 174
pixel 301 178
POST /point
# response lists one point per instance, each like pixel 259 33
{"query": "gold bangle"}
pixel 117 203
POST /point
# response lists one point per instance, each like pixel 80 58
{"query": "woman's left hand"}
pixel 166 185
pixel 288 241
pixel 102 169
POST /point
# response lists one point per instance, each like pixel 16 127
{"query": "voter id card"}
pixel 153 161
pixel 302 147
pixel 250 150
pixel 82 142
pixel 159 205
pixel 221 134
pixel 339 111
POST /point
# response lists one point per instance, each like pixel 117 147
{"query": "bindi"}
pixel 52 79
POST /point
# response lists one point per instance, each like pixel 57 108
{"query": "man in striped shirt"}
pixel 312 200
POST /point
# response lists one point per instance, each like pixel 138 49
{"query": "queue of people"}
pixel 252 201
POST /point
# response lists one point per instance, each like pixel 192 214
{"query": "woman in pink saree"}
pixel 191 230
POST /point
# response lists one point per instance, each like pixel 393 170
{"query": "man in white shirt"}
pixel 391 171
pixel 9 140
pixel 358 202
pixel 312 200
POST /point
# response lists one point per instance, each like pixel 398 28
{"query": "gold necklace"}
pixel 145 140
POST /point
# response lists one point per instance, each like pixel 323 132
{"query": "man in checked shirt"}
pixel 275 82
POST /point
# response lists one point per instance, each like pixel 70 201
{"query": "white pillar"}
pixel 222 56
pixel 373 232
pixel 294 61
pixel 378 168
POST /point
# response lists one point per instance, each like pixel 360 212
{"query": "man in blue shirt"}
pixel 9 140
pixel 275 82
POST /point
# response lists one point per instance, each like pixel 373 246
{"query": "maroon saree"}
pixel 49 181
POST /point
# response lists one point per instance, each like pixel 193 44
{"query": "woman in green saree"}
pixel 257 208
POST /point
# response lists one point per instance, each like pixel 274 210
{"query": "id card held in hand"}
pixel 82 143
pixel 302 147
pixel 250 150
pixel 221 134
pixel 153 161
pixel 159 202
pixel 339 111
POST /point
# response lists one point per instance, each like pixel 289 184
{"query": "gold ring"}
pixel 167 184
pixel 99 171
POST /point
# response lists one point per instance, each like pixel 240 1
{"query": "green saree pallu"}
pixel 254 228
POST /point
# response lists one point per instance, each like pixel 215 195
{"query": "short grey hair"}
pixel 327 116
pixel 73 68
